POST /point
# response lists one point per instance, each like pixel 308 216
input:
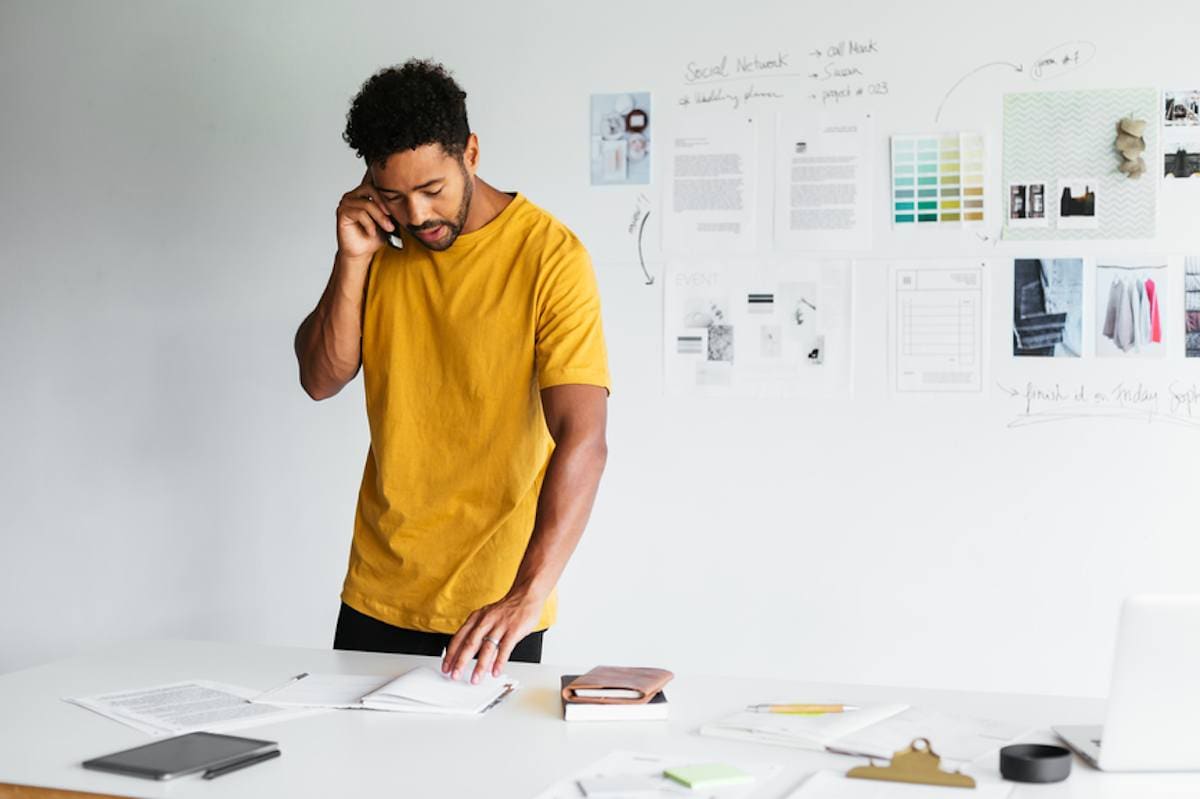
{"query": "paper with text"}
pixel 956 739
pixel 823 182
pixel 758 329
pixel 711 202
pixel 186 707
pixel 937 327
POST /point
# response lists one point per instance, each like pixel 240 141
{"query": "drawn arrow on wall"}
pixel 641 256
pixel 959 82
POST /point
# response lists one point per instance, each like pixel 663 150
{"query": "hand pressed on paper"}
pixel 491 633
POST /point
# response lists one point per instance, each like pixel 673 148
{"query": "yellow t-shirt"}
pixel 455 348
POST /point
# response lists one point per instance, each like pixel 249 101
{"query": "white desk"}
pixel 516 750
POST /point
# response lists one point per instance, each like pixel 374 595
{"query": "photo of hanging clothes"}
pixel 1132 313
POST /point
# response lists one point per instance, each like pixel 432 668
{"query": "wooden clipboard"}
pixel 917 764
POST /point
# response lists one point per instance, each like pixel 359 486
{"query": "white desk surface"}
pixel 516 750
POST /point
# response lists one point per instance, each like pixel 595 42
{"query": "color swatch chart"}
pixel 937 178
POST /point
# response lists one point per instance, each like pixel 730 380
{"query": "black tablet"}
pixel 183 754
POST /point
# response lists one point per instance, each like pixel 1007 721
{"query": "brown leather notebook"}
pixel 640 685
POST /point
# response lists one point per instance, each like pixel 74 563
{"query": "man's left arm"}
pixel 576 417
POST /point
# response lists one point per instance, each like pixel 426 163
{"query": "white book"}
pixel 654 710
pixel 421 690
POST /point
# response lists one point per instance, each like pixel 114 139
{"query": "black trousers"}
pixel 358 631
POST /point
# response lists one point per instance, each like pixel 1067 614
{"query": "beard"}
pixel 453 229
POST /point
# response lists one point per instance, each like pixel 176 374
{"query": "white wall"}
pixel 170 173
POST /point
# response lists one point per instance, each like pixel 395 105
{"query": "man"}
pixel 486 380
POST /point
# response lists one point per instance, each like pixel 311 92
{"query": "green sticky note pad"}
pixel 708 775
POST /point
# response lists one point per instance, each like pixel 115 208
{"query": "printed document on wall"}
pixel 711 204
pixel 745 329
pixel 823 182
pixel 937 327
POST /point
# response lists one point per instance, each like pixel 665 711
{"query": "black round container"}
pixel 1035 763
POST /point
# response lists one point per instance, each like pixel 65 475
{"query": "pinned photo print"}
pixel 720 343
pixel 1181 108
pixel 708 313
pixel 621 139
pixel 705 310
pixel 1048 307
pixel 1183 161
pixel 800 306
pixel 1181 133
pixel 1131 315
pixel 1078 203
pixel 1191 305
pixel 1027 205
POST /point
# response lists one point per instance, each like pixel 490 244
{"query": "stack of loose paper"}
pixel 829 785
pixel 873 731
pixel 623 774
pixel 186 707
pixel 422 690
pixel 803 731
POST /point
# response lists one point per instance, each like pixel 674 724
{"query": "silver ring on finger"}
pixel 493 641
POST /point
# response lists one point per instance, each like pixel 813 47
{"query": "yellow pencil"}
pixel 808 710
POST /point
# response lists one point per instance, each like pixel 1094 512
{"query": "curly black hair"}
pixel 405 107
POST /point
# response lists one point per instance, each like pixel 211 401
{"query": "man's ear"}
pixel 471 154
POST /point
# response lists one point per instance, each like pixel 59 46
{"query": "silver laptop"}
pixel 1153 718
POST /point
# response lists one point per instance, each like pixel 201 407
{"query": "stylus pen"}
pixel 240 764
pixel 801 709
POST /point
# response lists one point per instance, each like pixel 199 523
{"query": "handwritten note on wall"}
pixel 1176 402
pixel 826 75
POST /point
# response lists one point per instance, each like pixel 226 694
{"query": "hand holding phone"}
pixel 393 237
pixel 363 224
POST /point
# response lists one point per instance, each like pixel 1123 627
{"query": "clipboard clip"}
pixel 508 689
pixel 917 764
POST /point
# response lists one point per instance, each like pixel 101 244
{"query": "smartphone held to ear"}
pixel 392 237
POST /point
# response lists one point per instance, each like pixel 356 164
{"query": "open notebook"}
pixel 874 731
pixel 422 690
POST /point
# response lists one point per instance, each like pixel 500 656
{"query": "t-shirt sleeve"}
pixel 570 335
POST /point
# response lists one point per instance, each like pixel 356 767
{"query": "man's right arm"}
pixel 329 341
